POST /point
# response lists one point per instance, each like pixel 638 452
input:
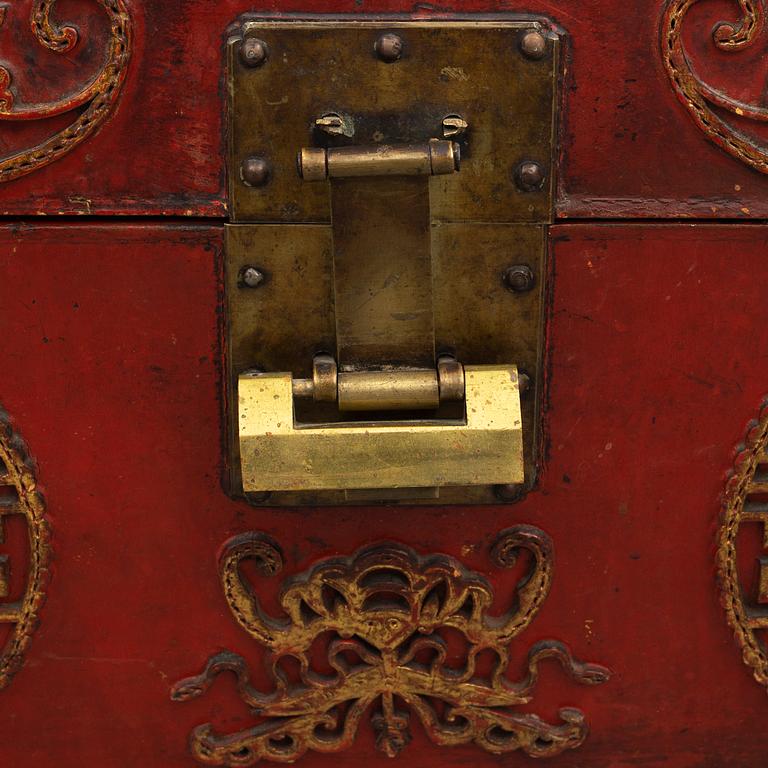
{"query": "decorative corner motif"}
pixel 746 501
pixel 375 622
pixel 94 102
pixel 702 100
pixel 19 496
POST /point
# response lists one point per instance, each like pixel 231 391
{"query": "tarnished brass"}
pixel 382 271
pixel 383 390
pixel 389 264
pixel 475 69
pixel 389 390
pixel 454 125
pixel 385 613
pixel 450 375
pixel 323 386
pixel 435 158
pixel 280 454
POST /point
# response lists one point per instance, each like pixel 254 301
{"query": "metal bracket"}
pixel 365 281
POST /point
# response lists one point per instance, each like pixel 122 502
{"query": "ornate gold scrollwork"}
pixel 19 496
pixel 702 100
pixel 95 101
pixel 746 501
pixel 384 610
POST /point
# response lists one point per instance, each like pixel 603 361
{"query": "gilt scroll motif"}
pixel 710 106
pixel 746 503
pixel 19 496
pixel 378 620
pixel 90 107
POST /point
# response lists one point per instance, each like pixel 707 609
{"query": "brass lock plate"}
pixel 490 86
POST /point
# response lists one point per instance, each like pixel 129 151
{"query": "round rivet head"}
pixel 534 45
pixel 529 176
pixel 389 47
pixel 251 277
pixel 519 278
pixel 255 171
pixel 253 52
pixel 509 493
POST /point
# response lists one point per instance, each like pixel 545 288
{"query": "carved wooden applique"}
pixel 707 105
pixel 91 106
pixel 19 496
pixel 385 607
pixel 746 502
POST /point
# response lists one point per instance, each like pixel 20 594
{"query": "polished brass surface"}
pixel 388 272
pixel 279 454
pixel 389 390
pixel 433 158
pixel 374 618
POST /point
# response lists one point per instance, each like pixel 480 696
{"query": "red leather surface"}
pixel 630 149
pixel 111 368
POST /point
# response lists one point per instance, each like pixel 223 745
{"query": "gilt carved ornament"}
pixel 716 113
pixel 89 108
pixel 383 613
pixel 746 504
pixel 19 496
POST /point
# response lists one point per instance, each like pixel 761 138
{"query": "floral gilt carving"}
pixel 386 610
pixel 709 107
pixel 90 107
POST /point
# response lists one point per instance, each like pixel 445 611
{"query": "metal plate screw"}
pixel 529 176
pixel 335 124
pixel 534 45
pixel 389 47
pixel 509 493
pixel 454 125
pixel 255 171
pixel 253 52
pixel 519 278
pixel 251 277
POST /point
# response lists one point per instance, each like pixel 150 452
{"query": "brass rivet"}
pixel 253 52
pixel 257 498
pixel 255 171
pixel 251 277
pixel 389 47
pixel 519 278
pixel 534 45
pixel 509 493
pixel 529 176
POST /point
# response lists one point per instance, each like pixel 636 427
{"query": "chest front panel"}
pixel 528 520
